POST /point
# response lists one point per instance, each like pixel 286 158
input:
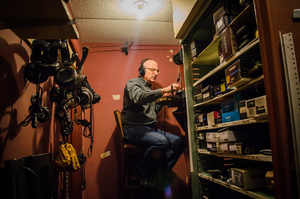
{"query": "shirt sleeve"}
pixel 139 95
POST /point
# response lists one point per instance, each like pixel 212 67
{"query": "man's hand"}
pixel 171 89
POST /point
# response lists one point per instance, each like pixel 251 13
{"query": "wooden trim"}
pixel 272 18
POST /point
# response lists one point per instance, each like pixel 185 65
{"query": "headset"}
pixel 142 69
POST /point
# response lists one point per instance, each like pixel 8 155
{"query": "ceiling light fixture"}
pixel 140 5
pixel 142 8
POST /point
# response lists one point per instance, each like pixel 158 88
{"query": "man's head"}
pixel 149 70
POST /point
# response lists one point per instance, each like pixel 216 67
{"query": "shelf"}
pixel 35 19
pixel 253 120
pixel 260 194
pixel 219 99
pixel 254 157
pixel 252 46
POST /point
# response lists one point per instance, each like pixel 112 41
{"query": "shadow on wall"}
pixel 109 175
pixel 13 86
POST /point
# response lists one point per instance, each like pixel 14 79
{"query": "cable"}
pixel 36 177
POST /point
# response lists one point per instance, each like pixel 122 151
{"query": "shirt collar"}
pixel 145 83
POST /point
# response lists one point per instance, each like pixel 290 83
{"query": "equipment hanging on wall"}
pixel 37 112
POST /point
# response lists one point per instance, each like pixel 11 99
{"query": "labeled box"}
pixel 229 44
pixel 197 89
pixel 257 106
pixel 229 116
pixel 212 136
pixel 222 147
pixel 237 74
pixel 230 108
pixel 211 146
pixel 201 119
pixel 220 89
pixel 213 118
pixel 227 9
pixel 223 22
pixel 208 93
pixel 243 109
pixel 248 178
pixel 234 136
pixel 227 105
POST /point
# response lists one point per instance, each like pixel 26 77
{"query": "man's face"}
pixel 151 71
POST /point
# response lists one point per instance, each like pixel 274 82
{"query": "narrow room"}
pixel 149 99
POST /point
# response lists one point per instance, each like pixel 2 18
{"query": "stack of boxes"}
pixel 237 74
pixel 230 109
pixel 224 15
pixel 252 107
pixel 221 19
pixel 232 141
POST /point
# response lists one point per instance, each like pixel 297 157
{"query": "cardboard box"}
pixel 220 52
pixel 230 108
pixel 223 22
pixel 228 43
pixel 198 98
pixel 257 106
pixel 197 89
pixel 245 148
pixel 227 105
pixel 212 136
pixel 211 146
pixel 201 119
pixel 248 178
pixel 243 109
pixel 236 72
pixel 222 147
pixel 220 89
pixel 195 52
pixel 208 93
pixel 227 9
pixel 213 118
pixel 229 116
pixel 234 136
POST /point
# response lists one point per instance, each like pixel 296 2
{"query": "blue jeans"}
pixel 162 149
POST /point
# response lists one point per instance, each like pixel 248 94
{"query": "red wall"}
pixel 107 73
pixel 17 141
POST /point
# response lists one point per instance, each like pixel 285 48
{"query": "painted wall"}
pixel 108 69
pixel 107 74
pixel 15 140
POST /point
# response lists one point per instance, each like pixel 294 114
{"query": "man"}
pixel 162 149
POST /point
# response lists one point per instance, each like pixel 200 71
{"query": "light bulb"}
pixel 140 12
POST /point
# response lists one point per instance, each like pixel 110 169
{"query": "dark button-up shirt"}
pixel 139 106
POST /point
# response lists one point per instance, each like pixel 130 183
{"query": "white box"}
pixel 212 117
pixel 223 147
pixel 212 136
pixel 211 146
pixel 256 106
pixel 233 136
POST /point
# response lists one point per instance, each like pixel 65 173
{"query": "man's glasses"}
pixel 153 70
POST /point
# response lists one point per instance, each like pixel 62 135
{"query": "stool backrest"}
pixel 118 118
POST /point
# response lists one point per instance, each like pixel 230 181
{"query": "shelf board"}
pixel 219 99
pixel 35 19
pixel 254 43
pixel 256 193
pixel 254 157
pixel 253 120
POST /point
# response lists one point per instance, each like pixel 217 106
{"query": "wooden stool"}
pixel 127 150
